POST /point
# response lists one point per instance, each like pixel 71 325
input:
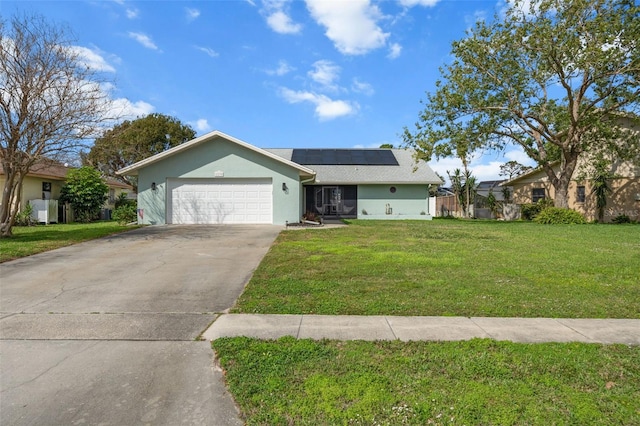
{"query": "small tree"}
pixel 86 192
pixel 601 188
pixel 512 168
pixel 464 187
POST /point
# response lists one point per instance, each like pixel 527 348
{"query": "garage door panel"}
pixel 202 201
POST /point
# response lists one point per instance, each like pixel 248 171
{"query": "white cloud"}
pixel 201 125
pixel 192 14
pixel 281 23
pixel 351 25
pixel 278 19
pixel 208 51
pixel 326 108
pixel 394 51
pixel 518 154
pixel 144 40
pixel 325 72
pixel 483 167
pixel 126 110
pixel 362 87
pixel 92 59
pixel 132 13
pixel 525 6
pixel 283 69
pixel 426 3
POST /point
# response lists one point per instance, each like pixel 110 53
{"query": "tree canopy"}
pixel 50 102
pixel 86 192
pixel 512 168
pixel 556 79
pixel 132 141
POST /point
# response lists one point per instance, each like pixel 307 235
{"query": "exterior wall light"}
pixel 284 187
pixel 153 186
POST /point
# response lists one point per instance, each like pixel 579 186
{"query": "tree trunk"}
pixel 561 181
pixel 11 195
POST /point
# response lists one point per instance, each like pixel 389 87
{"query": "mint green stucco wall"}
pixel 218 155
pixel 408 200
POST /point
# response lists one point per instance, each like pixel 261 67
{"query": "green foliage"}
pixel 132 141
pixel 25 218
pixel 492 203
pixel 557 215
pixel 529 211
pixel 464 186
pixel 125 213
pixel 512 168
pixel 621 218
pixel 123 200
pixel 506 194
pixel 540 78
pixel 86 191
pixel 479 382
pixel 601 187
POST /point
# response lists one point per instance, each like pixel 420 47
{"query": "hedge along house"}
pixel 217 178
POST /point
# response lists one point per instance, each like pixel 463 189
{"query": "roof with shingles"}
pixel 408 171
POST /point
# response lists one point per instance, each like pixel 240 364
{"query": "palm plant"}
pixel 601 187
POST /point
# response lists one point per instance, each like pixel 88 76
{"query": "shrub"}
pixel 621 218
pixel 531 210
pixel 123 200
pixel 25 218
pixel 557 215
pixel 86 191
pixel 125 213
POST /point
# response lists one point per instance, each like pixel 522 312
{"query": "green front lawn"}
pixel 478 382
pixel 443 267
pixel 28 240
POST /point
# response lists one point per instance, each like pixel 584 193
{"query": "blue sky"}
pixel 276 73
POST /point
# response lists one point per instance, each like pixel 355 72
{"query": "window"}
pixel 581 195
pixel 112 195
pixel 537 194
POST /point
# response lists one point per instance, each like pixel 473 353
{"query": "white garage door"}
pixel 200 201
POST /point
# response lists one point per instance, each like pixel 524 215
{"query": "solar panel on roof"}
pixel 344 157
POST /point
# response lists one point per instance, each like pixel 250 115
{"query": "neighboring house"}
pixel 624 198
pixel 217 178
pixel 42 186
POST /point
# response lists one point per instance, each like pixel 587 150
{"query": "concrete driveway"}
pixel 104 332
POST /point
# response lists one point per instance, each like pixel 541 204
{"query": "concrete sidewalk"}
pixel 347 327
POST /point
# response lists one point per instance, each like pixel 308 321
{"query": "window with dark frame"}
pixel 581 194
pixel 538 194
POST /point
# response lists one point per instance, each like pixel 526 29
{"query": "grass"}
pixel 29 240
pixel 461 268
pixel 485 382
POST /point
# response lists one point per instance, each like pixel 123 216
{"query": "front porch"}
pixel 332 201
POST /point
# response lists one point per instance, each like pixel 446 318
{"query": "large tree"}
pixel 132 141
pixel 50 102
pixel 557 79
